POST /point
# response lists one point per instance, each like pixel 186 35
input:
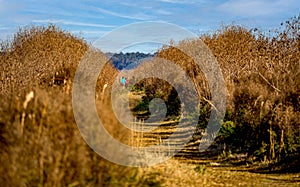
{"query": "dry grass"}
pixel 39 56
pixel 177 173
pixel 42 146
pixel 40 142
pixel 262 78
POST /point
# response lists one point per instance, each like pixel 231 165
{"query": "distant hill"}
pixel 128 60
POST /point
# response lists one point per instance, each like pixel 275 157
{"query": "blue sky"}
pixel 91 19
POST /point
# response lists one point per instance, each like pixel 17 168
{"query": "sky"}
pixel 91 19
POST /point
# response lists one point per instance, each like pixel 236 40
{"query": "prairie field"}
pixel 258 144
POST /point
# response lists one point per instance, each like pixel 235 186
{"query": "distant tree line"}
pixel 128 60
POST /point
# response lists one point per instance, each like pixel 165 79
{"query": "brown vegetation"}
pixel 42 146
pixel 262 76
pixel 40 142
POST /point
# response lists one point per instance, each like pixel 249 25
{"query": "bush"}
pixel 40 142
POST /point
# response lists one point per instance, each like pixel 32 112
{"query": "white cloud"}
pixel 3 27
pixel 73 23
pixel 256 7
pixel 10 7
pixel 182 1
pixel 139 16
pixel 163 12
pixel 100 32
pixel 89 35
pixel 147 32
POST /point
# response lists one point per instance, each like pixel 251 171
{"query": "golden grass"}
pixel 40 142
pixel 262 78
pixel 179 173
pixel 42 146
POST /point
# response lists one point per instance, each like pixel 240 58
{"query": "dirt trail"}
pixel 180 173
pixel 188 168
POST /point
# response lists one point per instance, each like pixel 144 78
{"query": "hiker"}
pixel 123 81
